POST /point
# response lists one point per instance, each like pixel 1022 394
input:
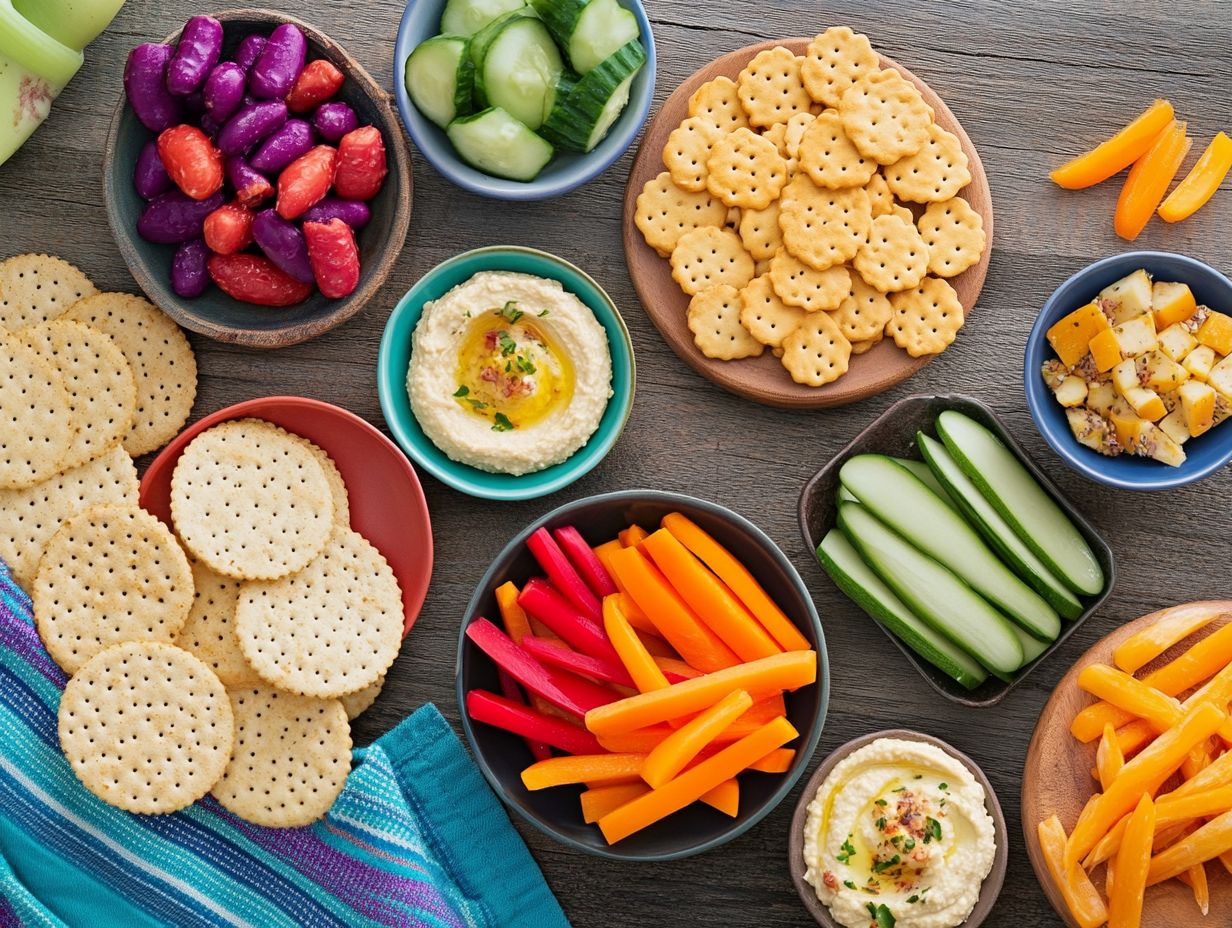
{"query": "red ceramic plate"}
pixel 387 502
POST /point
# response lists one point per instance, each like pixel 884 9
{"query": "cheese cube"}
pixel 1200 361
pixel 1128 298
pixel 1220 377
pixel 1171 399
pixel 1072 391
pixel 1105 351
pixel 1137 336
pixel 1125 376
pixel 1159 372
pixel 1156 444
pixel 1175 342
pixel 1216 333
pixel 1198 407
pixel 1100 397
pixel 1070 335
pixel 1130 429
pixel 1171 302
pixel 1173 425
pixel 1092 430
pixel 1146 403
pixel 1223 408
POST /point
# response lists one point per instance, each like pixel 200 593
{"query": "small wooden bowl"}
pixel 991 887
pixel 1056 780
pixel 214 313
pixel 764 379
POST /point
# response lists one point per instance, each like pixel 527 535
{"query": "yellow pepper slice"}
pixel 1116 154
pixel 1148 181
pixel 1201 182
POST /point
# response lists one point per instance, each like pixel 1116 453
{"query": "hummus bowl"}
pixel 960 781
pixel 433 326
pixel 693 830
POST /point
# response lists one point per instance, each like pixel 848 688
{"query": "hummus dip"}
pixel 509 373
pixel 898 835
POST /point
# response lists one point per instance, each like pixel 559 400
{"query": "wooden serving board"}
pixel 764 379
pixel 1057 781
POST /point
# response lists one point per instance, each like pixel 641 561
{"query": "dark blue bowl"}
pixel 1205 454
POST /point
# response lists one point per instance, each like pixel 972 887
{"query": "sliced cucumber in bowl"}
pixel 466 17
pixel 440 77
pixel 494 142
pixel 589 31
pixel 587 107
pixel 519 71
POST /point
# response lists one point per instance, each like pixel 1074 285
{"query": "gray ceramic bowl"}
pixel 556 812
pixel 214 313
pixel 991 887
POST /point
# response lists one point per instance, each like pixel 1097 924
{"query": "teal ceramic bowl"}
pixel 395 358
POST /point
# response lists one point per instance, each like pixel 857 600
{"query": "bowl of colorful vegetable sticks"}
pixel 642 675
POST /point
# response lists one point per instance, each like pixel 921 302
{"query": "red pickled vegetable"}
pixel 228 229
pixel 251 186
pixel 305 181
pixel 554 563
pixel 191 161
pixel 318 82
pixel 253 279
pixel 540 600
pixel 539 750
pixel 564 657
pixel 585 561
pixel 334 257
pixel 491 709
pixel 361 164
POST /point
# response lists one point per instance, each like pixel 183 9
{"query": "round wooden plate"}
pixel 764 379
pixel 1057 781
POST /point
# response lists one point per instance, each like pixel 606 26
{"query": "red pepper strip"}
pixel 564 657
pixel 1201 182
pixel 585 561
pixel 562 574
pixel 512 716
pixel 541 600
pixel 539 750
pixel 1148 181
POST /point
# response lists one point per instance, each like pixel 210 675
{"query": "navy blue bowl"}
pixel 1205 454
pixel 697 828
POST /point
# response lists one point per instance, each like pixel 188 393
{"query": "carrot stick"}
pixel 631 537
pixel 641 741
pixel 676 750
pixel 1148 181
pixel 777 761
pixel 1132 863
pixel 1173 626
pixel 1169 811
pixel 1108 758
pixel 1199 186
pixel 737 577
pixel 583 768
pixel 598 801
pixel 632 612
pixel 725 797
pixel 1209 841
pixel 637 661
pixel 694 783
pixel 1117 153
pixel 517 625
pixel 762 678
pixel 1081 897
pixel 1133 737
pixel 709 598
pixel 1125 692
pixel 672 667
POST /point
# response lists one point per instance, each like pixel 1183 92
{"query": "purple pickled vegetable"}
pixel 251 186
pixel 199 49
pixel 174 217
pixel 355 213
pixel 334 120
pixel 224 91
pixel 150 177
pixel 189 276
pixel 250 125
pixel 249 51
pixel 194 106
pixel 145 82
pixel 210 126
pixel 283 147
pixel 283 243
pixel 272 77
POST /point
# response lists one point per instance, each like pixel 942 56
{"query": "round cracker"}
pixel 109 575
pixel 686 152
pixel 768 319
pixel 885 117
pixel 823 228
pixel 745 169
pixel 251 501
pixel 146 727
pixel 30 516
pixel 835 60
pixel 718 102
pixel 160 356
pixel 36 416
pixel 708 257
pixel 864 313
pixel 714 320
pixel 934 173
pixel 926 319
pixel 333 476
pixel 770 88
pixel 38 288
pixel 955 236
pixel 829 157
pixel 816 353
pixel 331 629
pixel 356 704
pixel 895 257
pixel 797 284
pixel 101 387
pixel 209 631
pixel 664 212
pixel 759 231
pixel 291 760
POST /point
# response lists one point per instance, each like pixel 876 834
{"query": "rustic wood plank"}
pixel 1030 85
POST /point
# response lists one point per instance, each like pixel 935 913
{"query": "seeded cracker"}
pixel 816 353
pixel 797 284
pixel 664 213
pixel 770 89
pixel 146 727
pixel 718 102
pixel 746 170
pixel 768 319
pixel 925 319
pixel 955 236
pixel 834 61
pixel 36 416
pixel 686 152
pixel 707 257
pixel 885 116
pixel 714 320
pixel 209 632
pixel 895 257
pixel 38 288
pixel 936 172
pixel 829 157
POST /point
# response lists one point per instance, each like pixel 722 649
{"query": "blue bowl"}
pixel 395 358
pixel 1204 455
pixel 568 170
pixel 693 830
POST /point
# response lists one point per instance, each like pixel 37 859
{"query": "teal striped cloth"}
pixel 416 837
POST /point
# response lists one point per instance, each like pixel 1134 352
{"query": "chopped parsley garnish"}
pixel 525 365
pixel 510 311
pixel 898 789
pixel 909 844
pixel 944 787
pixel 849 884
pixel 912 900
pixel 880 802
pixel 881 823
pixel 932 830
pixel 846 851
pixel 507 345
pixel 477 404
pixel 881 866
pixel 882 916
pixel 462 390
pixel 502 423
pixel 543 312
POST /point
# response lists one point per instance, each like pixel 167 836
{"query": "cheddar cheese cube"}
pixel 1071 335
pixel 1171 302
pixel 1105 351
pixel 1175 342
pixel 1216 333
pixel 1128 298
pixel 1198 407
pixel 1137 336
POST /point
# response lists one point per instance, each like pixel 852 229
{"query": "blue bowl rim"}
pixel 1065 446
pixel 500 188
pixel 804 755
pixel 452 475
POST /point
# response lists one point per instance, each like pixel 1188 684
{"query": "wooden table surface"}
pixel 1031 86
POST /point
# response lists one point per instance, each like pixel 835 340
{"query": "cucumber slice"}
pixel 900 500
pixel 932 592
pixel 1031 647
pixel 851 575
pixel 980 513
pixel 485 36
pixel 519 71
pixel 440 78
pixel 1021 501
pixel 494 142
pixel 466 17
pixel 928 478
pixel 586 110
pixel 845 495
pixel 589 31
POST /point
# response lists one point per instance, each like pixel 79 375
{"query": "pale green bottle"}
pixel 41 45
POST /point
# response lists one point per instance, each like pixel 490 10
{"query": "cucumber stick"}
pixel 494 142
pixel 928 478
pixel 589 31
pixel 932 592
pixel 902 501
pixel 1021 501
pixel 440 77
pixel 587 107
pixel 518 71
pixel 851 575
pixel 466 17
pixel 996 531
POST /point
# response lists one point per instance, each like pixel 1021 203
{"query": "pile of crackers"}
pixel 782 211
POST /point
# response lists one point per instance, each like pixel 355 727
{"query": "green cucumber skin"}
pixel 464 79
pixel 849 511
pixel 489 91
pixel 560 16
pixel 569 124
pixel 1090 581
pixel 925 475
pixel 455 12
pixel 1037 575
pixel 882 604
pixel 487 35
pixel 962 551
pixel 457 133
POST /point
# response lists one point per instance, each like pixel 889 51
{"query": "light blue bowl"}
pixel 395 357
pixel 1205 454
pixel 566 171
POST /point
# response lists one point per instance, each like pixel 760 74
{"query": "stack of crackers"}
pixel 782 211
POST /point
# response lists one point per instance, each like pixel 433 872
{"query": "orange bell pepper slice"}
pixel 1132 863
pixel 1201 182
pixel 1148 181
pixel 598 801
pixel 1139 649
pixel 1208 842
pixel 1081 897
pixel 1170 810
pixel 629 648
pixel 1116 154
pixel 1108 758
pixel 593 769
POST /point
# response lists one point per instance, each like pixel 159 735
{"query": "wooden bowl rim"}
pixel 743 378
pixel 399 162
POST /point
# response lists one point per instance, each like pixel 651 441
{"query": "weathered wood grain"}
pixel 1031 84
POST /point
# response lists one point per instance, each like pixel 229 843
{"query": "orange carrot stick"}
pixel 633 536
pixel 1132 695
pixel 1208 842
pixel 1173 626
pixel 632 611
pixel 1169 811
pixel 725 797
pixel 1108 758
pixel 598 801
pixel 1081 897
pixel 737 577
pixel 1132 863
pixel 678 667
pixel 675 751
pixel 1148 181
pixel 1117 153
pixel 629 648
pixel 583 768
pixel 641 741
pixel 1195 876
pixel 694 783
pixel 1133 737
pixel 777 761
pixel 1192 193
